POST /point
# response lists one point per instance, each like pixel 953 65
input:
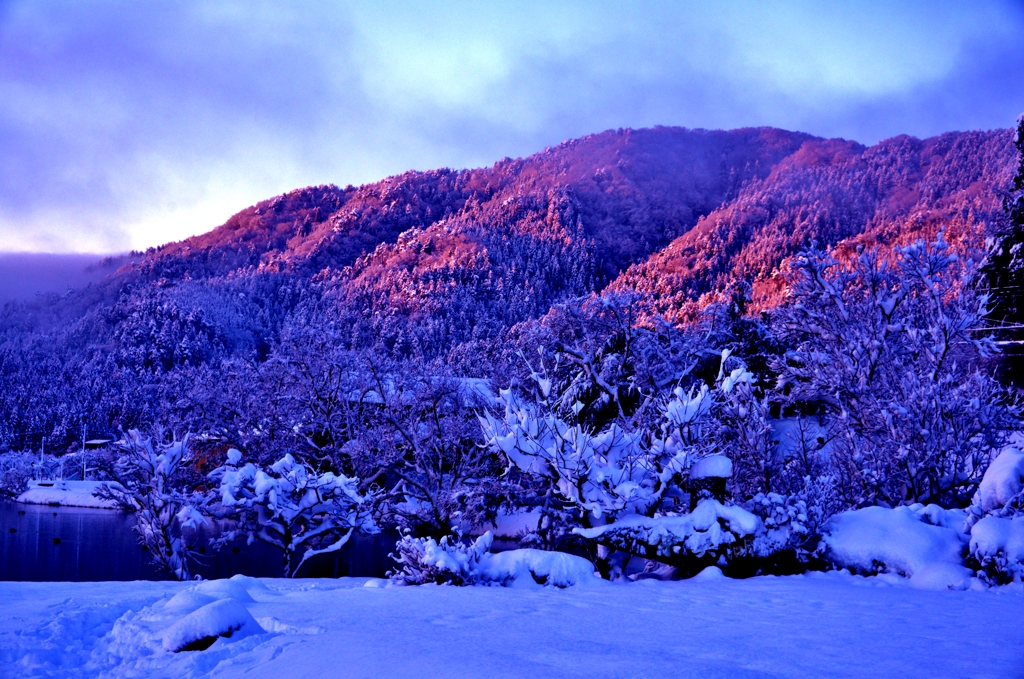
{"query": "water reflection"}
pixel 43 543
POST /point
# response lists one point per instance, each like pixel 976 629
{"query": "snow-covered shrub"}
pixel 291 507
pixel 785 520
pixel 745 431
pixel 997 549
pixel 426 561
pixel 144 484
pixel 417 438
pixel 793 522
pixel 914 542
pixel 613 470
pixel 995 520
pixel 531 567
pixel 690 541
pixel 599 370
pixel 595 476
pixel 601 473
pixel 1001 491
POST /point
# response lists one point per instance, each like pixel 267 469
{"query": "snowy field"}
pixel 821 625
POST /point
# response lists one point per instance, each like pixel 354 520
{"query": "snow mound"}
pixel 537 567
pixel 252 584
pixel 199 629
pixel 66 494
pixel 225 589
pixel 710 573
pixel 877 539
pixel 238 587
pixel 998 546
pixel 712 466
pixel 993 534
pixel 199 617
pixel 937 516
pixel 1003 479
pixel 187 601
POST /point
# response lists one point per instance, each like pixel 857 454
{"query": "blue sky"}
pixel 127 124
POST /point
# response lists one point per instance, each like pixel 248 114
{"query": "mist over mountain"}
pixel 25 274
pixel 442 264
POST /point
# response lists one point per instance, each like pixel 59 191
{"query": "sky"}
pixel 124 125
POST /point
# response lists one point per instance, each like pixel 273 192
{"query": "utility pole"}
pixel 83 450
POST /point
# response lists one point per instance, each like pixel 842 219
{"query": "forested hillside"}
pixel 830 191
pixel 450 264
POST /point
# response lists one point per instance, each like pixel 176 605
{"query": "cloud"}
pixel 124 125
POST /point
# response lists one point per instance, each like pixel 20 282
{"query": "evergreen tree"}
pixel 1004 271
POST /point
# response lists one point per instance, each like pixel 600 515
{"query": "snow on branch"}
pixel 145 475
pixel 291 507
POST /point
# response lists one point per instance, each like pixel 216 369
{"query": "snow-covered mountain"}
pixel 444 262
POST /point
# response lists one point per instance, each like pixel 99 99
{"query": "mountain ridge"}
pixel 321 220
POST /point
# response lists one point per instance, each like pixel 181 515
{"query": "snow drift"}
pixel 901 541
pixel 198 630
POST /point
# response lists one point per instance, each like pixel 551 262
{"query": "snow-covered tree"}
pixel 291 507
pixel 144 484
pixel 17 468
pixel 745 431
pixel 601 474
pixel 413 436
pixel 891 349
pixel 603 366
pixel 627 487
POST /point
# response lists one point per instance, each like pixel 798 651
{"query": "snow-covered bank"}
pixel 822 625
pixel 66 494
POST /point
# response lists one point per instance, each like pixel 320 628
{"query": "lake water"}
pixel 44 543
